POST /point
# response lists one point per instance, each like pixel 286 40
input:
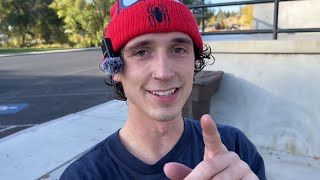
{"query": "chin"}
pixel 165 116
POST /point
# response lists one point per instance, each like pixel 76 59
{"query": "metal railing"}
pixel 275 29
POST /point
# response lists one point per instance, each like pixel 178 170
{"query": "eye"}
pixel 179 50
pixel 140 53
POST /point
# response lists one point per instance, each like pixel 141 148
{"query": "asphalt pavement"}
pixel 37 88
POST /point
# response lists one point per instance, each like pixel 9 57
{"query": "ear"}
pixel 116 77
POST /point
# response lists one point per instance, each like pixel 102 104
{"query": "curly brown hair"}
pixel 202 58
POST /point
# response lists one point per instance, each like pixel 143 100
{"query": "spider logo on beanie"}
pixel 158 14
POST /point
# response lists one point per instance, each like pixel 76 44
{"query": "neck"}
pixel 149 139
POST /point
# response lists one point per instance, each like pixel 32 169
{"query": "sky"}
pixel 225 8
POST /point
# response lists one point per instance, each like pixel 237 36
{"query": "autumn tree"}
pixel 247 16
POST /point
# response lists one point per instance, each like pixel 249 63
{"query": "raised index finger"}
pixel 211 137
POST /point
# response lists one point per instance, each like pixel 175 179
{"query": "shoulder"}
pixel 90 162
pixel 235 140
pixel 231 136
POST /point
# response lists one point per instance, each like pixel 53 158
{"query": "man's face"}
pixel 158 74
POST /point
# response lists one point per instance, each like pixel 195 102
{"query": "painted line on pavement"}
pixel 6 128
pixel 48 52
pixel 57 95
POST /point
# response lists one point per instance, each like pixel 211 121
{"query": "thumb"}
pixel 176 171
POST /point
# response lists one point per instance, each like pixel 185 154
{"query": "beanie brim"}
pixel 152 16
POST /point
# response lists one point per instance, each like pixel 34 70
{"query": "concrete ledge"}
pixel 302 46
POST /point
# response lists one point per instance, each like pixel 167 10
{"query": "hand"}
pixel 218 163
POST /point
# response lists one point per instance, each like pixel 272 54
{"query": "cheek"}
pixel 189 66
pixel 133 76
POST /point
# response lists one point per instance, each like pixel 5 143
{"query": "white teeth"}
pixel 163 93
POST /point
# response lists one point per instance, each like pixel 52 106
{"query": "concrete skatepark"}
pixel 269 90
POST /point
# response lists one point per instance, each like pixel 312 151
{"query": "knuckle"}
pixel 218 178
pixel 243 166
pixel 233 155
pixel 251 176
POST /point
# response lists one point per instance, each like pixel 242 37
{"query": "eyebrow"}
pixel 138 44
pixel 182 40
pixel 179 40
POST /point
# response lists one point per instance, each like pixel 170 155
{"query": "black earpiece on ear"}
pixel 112 63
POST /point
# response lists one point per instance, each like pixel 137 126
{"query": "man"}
pixel 157 51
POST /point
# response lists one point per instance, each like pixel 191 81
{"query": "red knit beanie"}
pixel 150 16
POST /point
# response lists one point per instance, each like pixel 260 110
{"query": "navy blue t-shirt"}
pixel 110 159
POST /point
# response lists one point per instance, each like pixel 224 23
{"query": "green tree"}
pixel 228 14
pixel 221 15
pixel 85 21
pixel 233 14
pixel 48 26
pixel 17 18
pixel 200 13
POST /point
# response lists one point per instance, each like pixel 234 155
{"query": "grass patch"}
pixel 23 50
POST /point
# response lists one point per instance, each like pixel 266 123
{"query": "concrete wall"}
pixel 271 91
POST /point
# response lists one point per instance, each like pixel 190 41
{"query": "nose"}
pixel 163 67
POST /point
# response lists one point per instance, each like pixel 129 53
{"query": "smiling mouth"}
pixel 163 93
